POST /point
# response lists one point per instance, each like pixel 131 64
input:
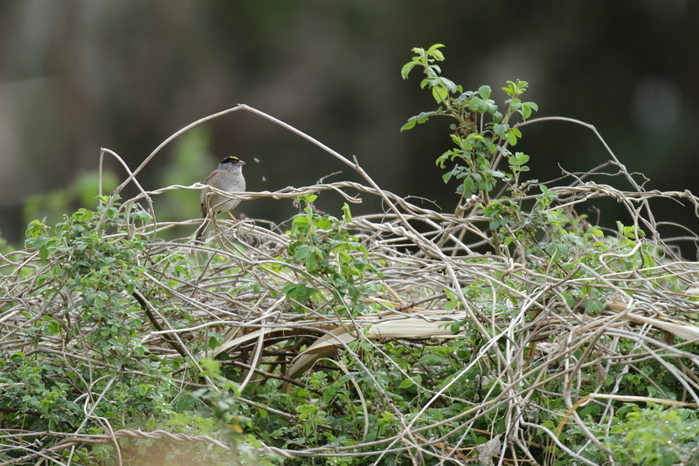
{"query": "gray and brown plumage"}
pixel 227 177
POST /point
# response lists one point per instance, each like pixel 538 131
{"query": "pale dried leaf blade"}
pixel 412 327
pixel 252 336
pixel 320 348
pixel 683 330
pixel 409 328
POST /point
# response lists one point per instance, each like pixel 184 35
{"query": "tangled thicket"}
pixel 410 335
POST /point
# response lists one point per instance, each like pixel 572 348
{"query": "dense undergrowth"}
pixel 511 331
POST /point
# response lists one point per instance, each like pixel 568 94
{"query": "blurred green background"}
pixel 77 75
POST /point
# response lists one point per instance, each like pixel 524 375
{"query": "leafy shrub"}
pixel 512 329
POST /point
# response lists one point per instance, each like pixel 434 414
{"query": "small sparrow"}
pixel 227 177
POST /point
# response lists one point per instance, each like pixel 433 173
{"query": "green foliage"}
pixel 100 270
pixel 482 135
pixel 479 142
pixel 221 403
pixel 329 255
pixel 91 277
pixel 528 222
pixel 655 436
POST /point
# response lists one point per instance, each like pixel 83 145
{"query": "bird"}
pixel 227 177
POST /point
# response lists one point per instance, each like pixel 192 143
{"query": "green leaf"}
pixel 406 383
pixel 43 252
pixel 407 68
pixel 527 108
pixel 435 52
pixel 519 159
pixel 473 138
pixel 299 291
pixel 595 230
pixel 302 252
pixel 484 91
pixel 450 305
pixel 469 186
pixel 448 84
pixel 512 138
pixel 475 103
pixel 346 213
pixel 441 160
pixel 329 393
pixel 440 94
pixel 409 125
pixel 312 263
pixel 300 221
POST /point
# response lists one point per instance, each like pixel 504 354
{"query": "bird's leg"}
pixel 231 216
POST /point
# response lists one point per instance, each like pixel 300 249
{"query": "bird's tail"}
pixel 201 230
